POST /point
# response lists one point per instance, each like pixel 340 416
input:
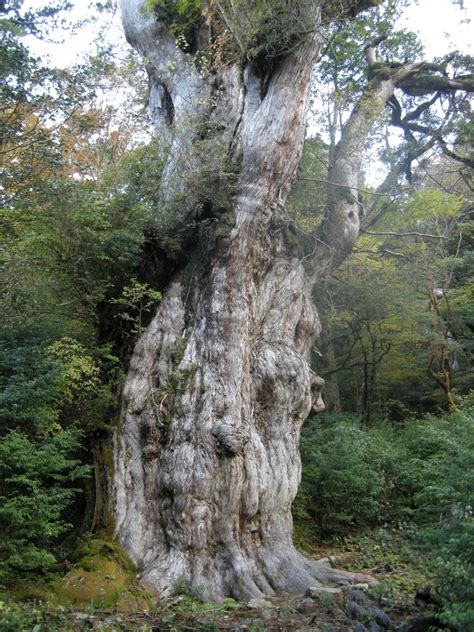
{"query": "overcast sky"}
pixel 441 25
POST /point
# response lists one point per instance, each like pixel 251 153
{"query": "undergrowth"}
pixel 411 484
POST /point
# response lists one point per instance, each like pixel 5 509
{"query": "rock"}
pixel 244 625
pixel 357 595
pixel 326 596
pixel 361 586
pixel 259 604
pixel 358 627
pixel 324 561
pixel 355 611
pixel 424 597
pixel 83 616
pixel 375 627
pixel 306 605
pixel 315 592
pixel 380 617
pixel 266 614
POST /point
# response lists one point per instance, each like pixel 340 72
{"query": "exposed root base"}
pixel 266 574
pixel 325 575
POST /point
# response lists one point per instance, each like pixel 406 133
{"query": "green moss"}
pixel 108 458
pixel 344 193
pixel 101 584
pixel 176 351
pixel 103 576
pixel 379 71
pixel 222 198
pixel 26 591
pixel 371 104
pixel 97 548
pixel 297 240
pixel 290 236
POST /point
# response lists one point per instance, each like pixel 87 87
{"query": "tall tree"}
pixel 206 457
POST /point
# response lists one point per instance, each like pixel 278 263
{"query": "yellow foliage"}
pixel 433 203
pixel 79 374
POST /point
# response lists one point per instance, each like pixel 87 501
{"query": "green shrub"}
pixel 27 378
pixel 50 393
pixel 434 477
pixel 454 569
pixel 182 16
pixel 418 474
pixel 346 468
pixel 17 616
pixel 440 459
pixel 36 486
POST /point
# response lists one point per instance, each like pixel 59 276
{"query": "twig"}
pixel 343 186
pixel 407 234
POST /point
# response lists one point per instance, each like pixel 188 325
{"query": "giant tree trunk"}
pixel 206 458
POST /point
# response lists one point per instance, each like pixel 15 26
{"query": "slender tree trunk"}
pixel 331 386
pixel 206 456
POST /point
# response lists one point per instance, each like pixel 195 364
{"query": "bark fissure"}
pixel 206 456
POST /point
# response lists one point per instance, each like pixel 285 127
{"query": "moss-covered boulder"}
pixel 102 576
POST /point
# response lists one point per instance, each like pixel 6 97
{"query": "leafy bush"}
pixel 183 17
pixel 434 481
pixel 419 474
pixel 454 568
pixel 444 501
pixel 346 482
pixel 35 488
pixel 48 384
pixel 27 377
pixel 50 394
pixel 18 616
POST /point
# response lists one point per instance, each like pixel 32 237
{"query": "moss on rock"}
pixel 103 576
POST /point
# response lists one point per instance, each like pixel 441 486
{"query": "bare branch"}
pixel 407 234
pixel 344 186
pixel 425 83
pixel 369 50
pixel 383 251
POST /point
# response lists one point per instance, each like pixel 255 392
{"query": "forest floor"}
pixel 388 606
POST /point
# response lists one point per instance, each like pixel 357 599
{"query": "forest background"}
pixel 387 469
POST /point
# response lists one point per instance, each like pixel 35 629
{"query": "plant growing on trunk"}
pixel 204 496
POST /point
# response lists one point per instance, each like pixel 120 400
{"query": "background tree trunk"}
pixel 206 458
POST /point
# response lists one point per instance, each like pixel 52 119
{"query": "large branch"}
pixel 409 126
pixel 403 234
pixel 390 187
pixel 424 82
pixel 340 228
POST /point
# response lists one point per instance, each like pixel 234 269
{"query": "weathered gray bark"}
pixel 341 227
pixel 206 456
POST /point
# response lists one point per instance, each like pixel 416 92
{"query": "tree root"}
pixel 326 575
pixel 271 571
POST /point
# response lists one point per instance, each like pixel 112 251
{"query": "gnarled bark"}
pixel 206 456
